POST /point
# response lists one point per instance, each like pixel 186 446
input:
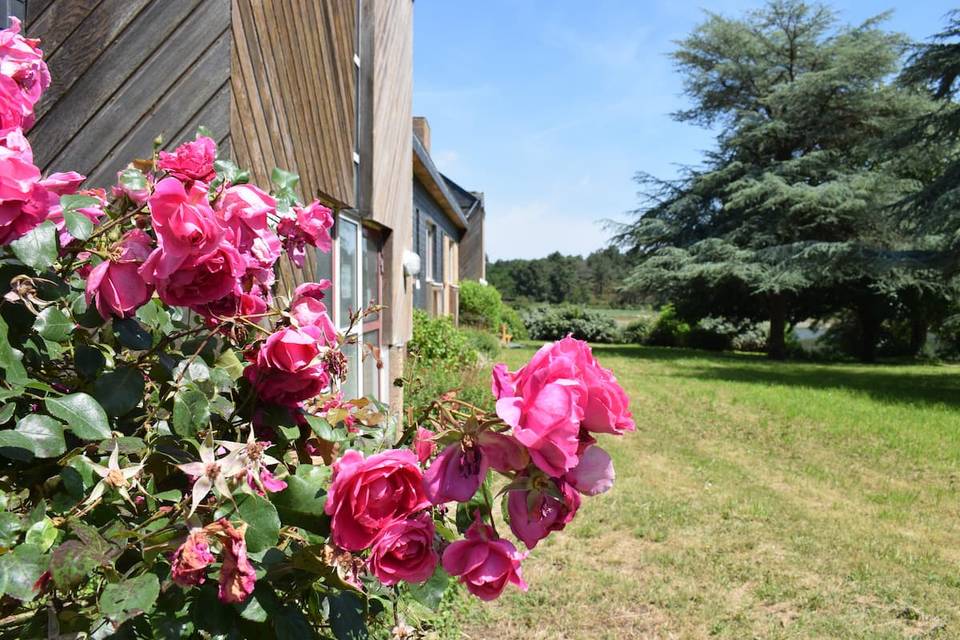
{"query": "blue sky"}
pixel 551 106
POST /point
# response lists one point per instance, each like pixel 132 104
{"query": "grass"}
pixel 757 500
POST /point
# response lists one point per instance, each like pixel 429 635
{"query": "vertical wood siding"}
pixel 392 153
pixel 124 72
pixel 294 93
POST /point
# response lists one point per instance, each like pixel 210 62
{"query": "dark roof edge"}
pixel 451 207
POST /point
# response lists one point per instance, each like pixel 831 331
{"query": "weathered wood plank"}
pixel 173 111
pixel 84 45
pixel 145 87
pixel 157 24
pixel 54 22
pixel 214 115
pixel 35 9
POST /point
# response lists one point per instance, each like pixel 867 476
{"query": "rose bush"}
pixel 176 456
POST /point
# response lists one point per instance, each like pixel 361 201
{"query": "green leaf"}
pixel 45 433
pixel 431 592
pixel 133 179
pixel 10 358
pixel 324 431
pixel 21 569
pixel 53 324
pixel 74 201
pixel 43 534
pixel 119 391
pixel 289 623
pixel 7 412
pixel 10 527
pixel 131 334
pixel 191 411
pixel 130 598
pixel 346 616
pixel 73 561
pixel 229 362
pixel 301 503
pixel 284 180
pixel 88 360
pixel 226 170
pixel 263 522
pixel 79 225
pixel 16 446
pixel 83 414
pixel 38 248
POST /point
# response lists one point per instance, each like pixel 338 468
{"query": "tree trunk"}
pixel 776 344
pixel 869 334
pixel 918 334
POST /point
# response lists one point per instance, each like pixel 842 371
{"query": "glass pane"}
pixel 371 374
pixel 350 386
pixel 347 238
pixel 371 271
pixel 324 265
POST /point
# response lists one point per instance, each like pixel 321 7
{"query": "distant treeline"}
pixel 558 279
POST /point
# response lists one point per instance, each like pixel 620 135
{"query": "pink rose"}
pixel 191 160
pixel 24 203
pixel 23 77
pixel 605 403
pixel 367 495
pixel 184 223
pixel 116 286
pixel 404 551
pixel 594 473
pixel 232 305
pixel 423 444
pixel 535 512
pixel 307 307
pixel 483 562
pixel 286 369
pixel 308 225
pixel 65 183
pixel 456 474
pixel 22 60
pixel 191 559
pixel 243 211
pixel 237 576
pixel 503 452
pixel 289 349
pixel 199 280
pixel 546 419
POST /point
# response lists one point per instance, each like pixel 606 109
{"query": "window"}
pixel 15 8
pixel 431 252
pixel 358 284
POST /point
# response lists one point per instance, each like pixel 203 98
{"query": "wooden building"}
pixel 319 87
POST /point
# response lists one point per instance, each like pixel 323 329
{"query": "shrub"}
pixel 712 334
pixel 553 323
pixel 480 305
pixel 482 342
pixel 637 331
pixel 438 341
pixel 752 337
pixel 668 330
pixel 510 317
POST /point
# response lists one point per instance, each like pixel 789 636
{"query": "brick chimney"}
pixel 421 129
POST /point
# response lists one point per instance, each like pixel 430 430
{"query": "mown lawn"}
pixel 758 500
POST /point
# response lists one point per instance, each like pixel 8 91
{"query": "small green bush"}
pixel 480 305
pixel 668 330
pixel 510 317
pixel 438 341
pixel 637 331
pixel 482 342
pixel 712 334
pixel 554 323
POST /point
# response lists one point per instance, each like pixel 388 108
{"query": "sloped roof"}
pixel 470 201
pixel 436 184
